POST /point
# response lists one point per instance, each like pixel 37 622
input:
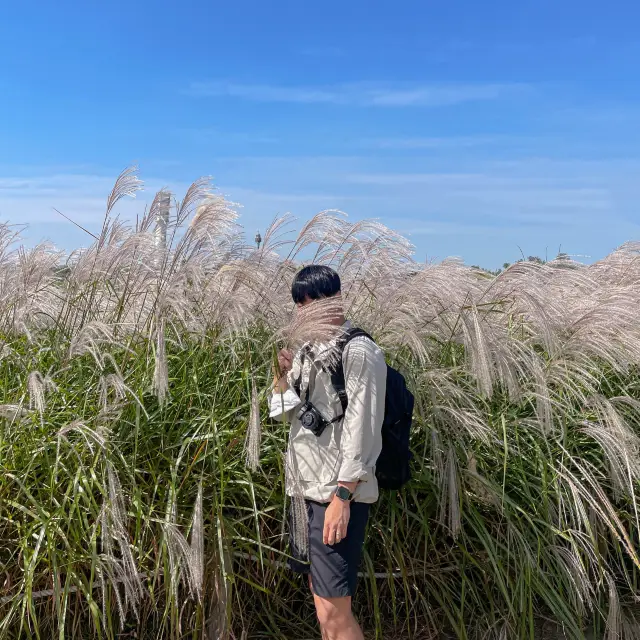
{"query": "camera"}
pixel 312 419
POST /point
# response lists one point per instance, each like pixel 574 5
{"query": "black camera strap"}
pixel 297 385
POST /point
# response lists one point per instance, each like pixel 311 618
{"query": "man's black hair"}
pixel 314 282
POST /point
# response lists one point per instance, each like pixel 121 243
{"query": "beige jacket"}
pixel 348 449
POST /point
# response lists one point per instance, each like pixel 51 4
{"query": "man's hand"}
pixel 336 521
pixel 285 362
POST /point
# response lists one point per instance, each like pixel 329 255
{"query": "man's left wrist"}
pixel 344 494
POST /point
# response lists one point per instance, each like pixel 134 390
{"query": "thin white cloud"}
pixel 452 142
pixel 208 134
pixel 540 199
pixel 361 94
pixel 439 228
pixel 613 115
pixel 264 93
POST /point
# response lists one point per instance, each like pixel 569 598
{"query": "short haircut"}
pixel 314 282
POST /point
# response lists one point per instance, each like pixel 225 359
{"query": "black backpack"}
pixel 393 468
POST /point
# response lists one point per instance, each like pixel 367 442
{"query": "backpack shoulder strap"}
pixel 337 374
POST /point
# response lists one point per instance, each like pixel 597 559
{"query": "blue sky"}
pixel 480 130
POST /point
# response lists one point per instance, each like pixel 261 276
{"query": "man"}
pixel 334 466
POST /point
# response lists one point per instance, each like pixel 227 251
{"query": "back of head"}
pixel 315 282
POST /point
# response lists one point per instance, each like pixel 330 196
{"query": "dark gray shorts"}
pixel 333 569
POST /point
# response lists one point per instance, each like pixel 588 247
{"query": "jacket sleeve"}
pixel 365 373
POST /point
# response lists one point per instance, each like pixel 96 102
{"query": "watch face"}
pixel 343 493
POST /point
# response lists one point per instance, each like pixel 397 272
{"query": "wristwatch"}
pixel 344 494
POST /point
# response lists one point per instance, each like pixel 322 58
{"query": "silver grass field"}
pixel 141 483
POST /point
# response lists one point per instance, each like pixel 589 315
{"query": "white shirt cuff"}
pixel 282 402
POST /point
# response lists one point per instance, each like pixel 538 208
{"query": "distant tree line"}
pixel 506 265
